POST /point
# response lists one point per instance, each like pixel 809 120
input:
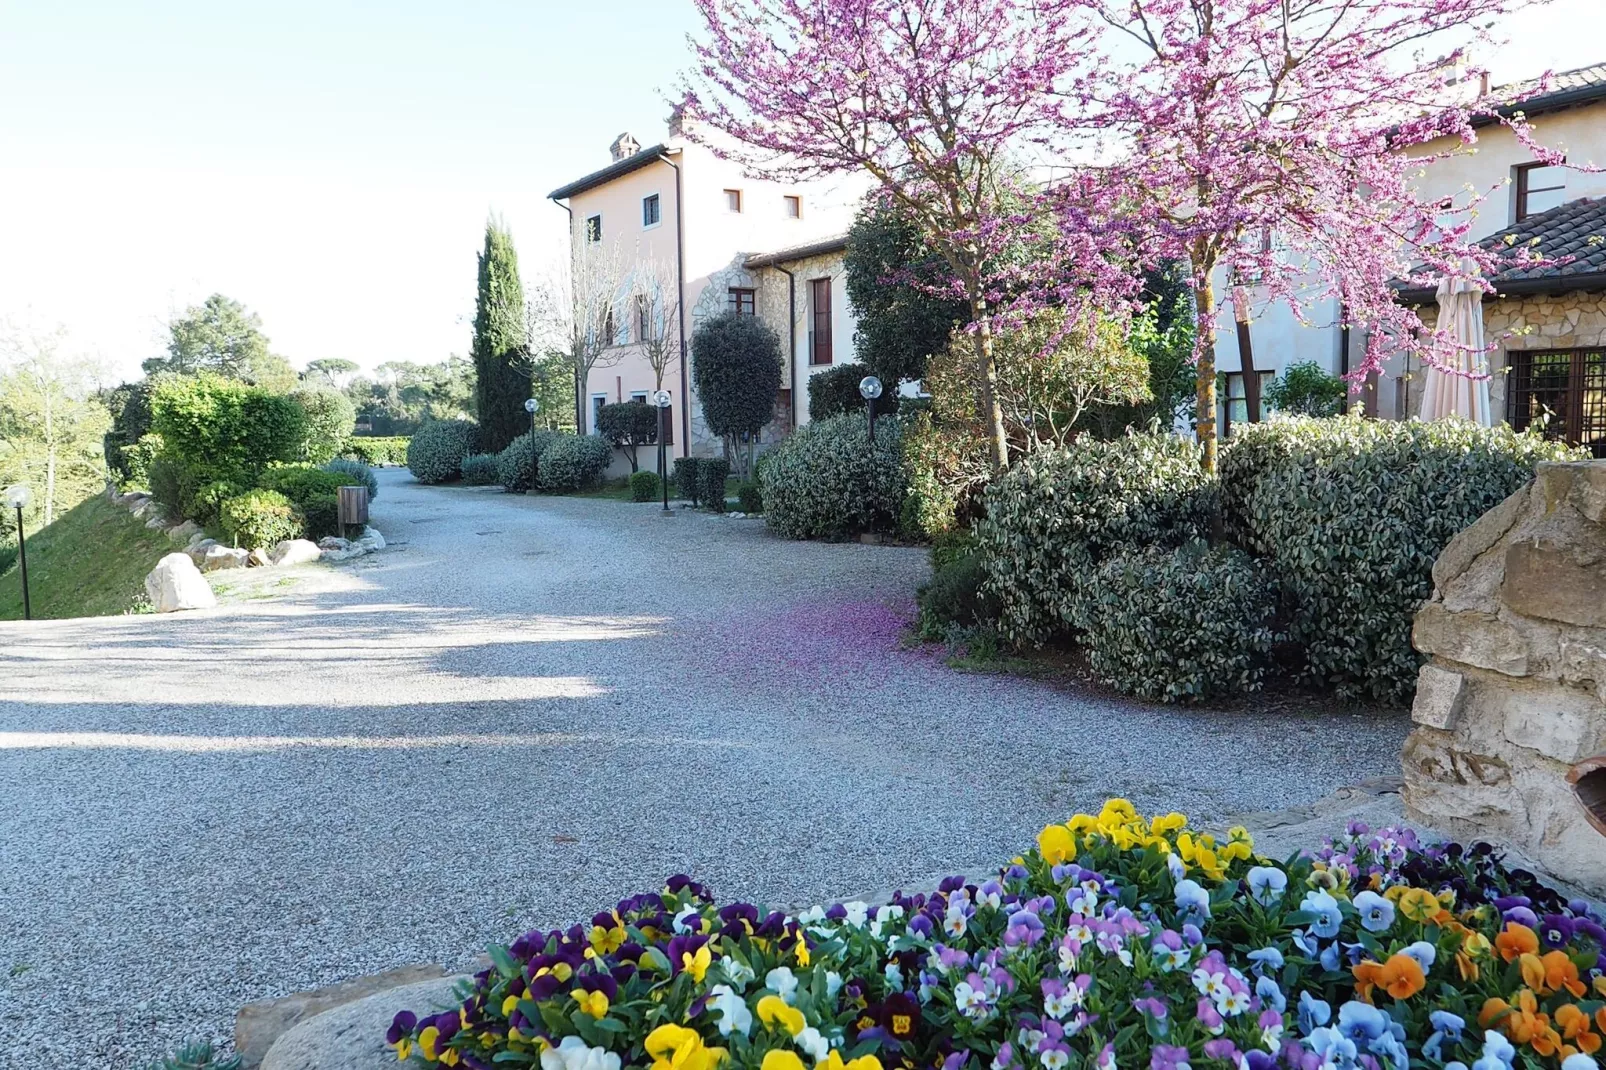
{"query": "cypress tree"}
pixel 499 342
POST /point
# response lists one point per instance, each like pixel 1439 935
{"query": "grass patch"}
pixel 91 562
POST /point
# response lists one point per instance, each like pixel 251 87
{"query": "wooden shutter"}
pixel 820 301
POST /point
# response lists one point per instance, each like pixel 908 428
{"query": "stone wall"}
pixel 1513 698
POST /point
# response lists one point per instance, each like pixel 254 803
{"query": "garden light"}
pixel 532 406
pixel 662 399
pixel 870 389
pixel 17 497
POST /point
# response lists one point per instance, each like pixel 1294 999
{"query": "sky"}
pixel 332 163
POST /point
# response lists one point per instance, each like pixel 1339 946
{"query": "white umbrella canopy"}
pixel 1460 346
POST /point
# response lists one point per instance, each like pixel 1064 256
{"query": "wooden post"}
pixel 1246 354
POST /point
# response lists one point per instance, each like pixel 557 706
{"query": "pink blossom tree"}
pixel 939 101
pixel 1280 142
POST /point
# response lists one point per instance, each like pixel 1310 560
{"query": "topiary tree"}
pixel 891 273
pixel 736 366
pixel 629 425
pixel 502 382
pixel 435 454
pixel 516 466
pixel 330 419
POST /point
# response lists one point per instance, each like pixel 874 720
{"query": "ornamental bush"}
pixel 330 416
pixel 377 450
pixel 435 453
pixel 479 469
pixel 260 518
pixel 629 425
pixel 736 366
pixel 1058 515
pixel 322 514
pixel 645 487
pixel 516 466
pixel 573 462
pixel 355 474
pixel 954 595
pixel 827 480
pixel 1118 941
pixel 224 425
pixel 686 478
pixel 835 392
pixel 299 482
pixel 1180 625
pixel 711 476
pixel 750 497
pixel 1350 514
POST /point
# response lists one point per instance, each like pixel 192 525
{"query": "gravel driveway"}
pixel 525 709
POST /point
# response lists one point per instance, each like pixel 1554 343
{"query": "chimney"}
pixel 624 146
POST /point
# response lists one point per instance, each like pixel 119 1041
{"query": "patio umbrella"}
pixel 1461 320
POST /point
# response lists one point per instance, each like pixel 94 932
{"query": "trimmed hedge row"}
pixel 435 453
pixel 389 449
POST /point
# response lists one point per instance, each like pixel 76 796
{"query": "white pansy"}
pixel 833 983
pixel 884 914
pixel 782 981
pixel 572 1053
pixel 734 1015
pixel 813 1043
pixel 682 923
pixel 894 976
pixel 737 973
pixel 812 916
pixel 857 913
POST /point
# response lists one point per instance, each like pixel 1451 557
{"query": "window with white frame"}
pixel 651 213
pixel 793 206
pixel 597 402
pixel 733 200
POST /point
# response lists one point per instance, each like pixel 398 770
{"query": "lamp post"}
pixel 870 389
pixel 17 497
pixel 662 399
pixel 532 406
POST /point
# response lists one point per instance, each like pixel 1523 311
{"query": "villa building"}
pixel 1555 367
pixel 710 239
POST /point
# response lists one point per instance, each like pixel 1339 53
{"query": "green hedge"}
pixel 300 481
pixel 322 513
pixel 373 449
pixel 1350 515
pixel 260 518
pixel 516 465
pixel 329 415
pixel 479 469
pixel 687 481
pixel 827 480
pixel 711 476
pixel 226 426
pixel 572 462
pixel 1181 625
pixel 645 487
pixel 1058 515
pixel 836 393
pixel 750 497
pixel 435 453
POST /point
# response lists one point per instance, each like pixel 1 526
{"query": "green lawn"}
pixel 91 562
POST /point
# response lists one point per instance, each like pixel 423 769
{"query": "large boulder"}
pixel 259 1025
pixel 352 1037
pixel 371 539
pixel 221 557
pixel 182 534
pixel 295 552
pixel 198 547
pixel 175 583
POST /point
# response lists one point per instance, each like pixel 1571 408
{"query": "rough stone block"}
pixel 1438 697
pixel 1478 538
pixel 260 1024
pixel 1560 722
pixel 1589 491
pixel 1556 580
pixel 1478 639
pixel 352 1036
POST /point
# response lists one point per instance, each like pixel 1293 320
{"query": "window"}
pixel 593 228
pixel 639 395
pixel 597 402
pixel 743 302
pixel 610 330
pixel 1539 187
pixel 793 205
pixel 650 216
pixel 733 200
pixel 820 321
pixel 1561 390
pixel 643 320
pixel 1235 401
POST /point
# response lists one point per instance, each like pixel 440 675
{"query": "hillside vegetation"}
pixel 91 562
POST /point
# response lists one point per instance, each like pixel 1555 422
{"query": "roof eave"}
pixel 1546 102
pixel 618 169
pixel 1549 284
pixel 798 252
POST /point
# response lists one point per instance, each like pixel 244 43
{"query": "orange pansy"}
pixel 1516 939
pixel 1402 976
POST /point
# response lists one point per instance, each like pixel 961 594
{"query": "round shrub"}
pixel 355 474
pixel 322 514
pixel 260 518
pixel 516 465
pixel 573 462
pixel 836 392
pixel 736 366
pixel 645 487
pixel 330 416
pixel 954 595
pixel 827 480
pixel 479 469
pixel 298 482
pixel 435 453
pixel 750 497
pixel 711 476
pixel 687 481
pixel 1350 514
pixel 1180 625
pixel 1055 517
pixel 629 425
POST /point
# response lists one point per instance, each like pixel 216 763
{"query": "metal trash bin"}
pixel 353 507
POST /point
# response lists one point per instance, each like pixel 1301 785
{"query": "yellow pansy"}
pixel 1056 844
pixel 833 1061
pixel 508 1005
pixel 1165 824
pixel 696 964
pixel 1081 823
pixel 801 951
pixel 593 1003
pixel 607 940
pixel 674 1047
pixel 781 1060
pixel 1419 904
pixel 404 1048
pixel 426 1042
pixel 773 1009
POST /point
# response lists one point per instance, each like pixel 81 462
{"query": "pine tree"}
pixel 499 343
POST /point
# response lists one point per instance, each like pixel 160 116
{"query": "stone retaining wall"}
pixel 1513 699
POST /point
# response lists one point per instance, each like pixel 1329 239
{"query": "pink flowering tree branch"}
pixel 939 101
pixel 1282 142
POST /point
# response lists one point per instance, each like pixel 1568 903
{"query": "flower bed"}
pixel 1118 943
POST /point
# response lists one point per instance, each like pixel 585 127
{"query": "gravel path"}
pixel 524 710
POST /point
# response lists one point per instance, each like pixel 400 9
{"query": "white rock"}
pixel 196 540
pixel 157 520
pixel 198 547
pixel 175 583
pixel 222 557
pixel 185 533
pixel 295 552
pixel 258 558
pixel 371 539
pixel 353 551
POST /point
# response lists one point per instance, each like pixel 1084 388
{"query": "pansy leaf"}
pixel 659 960
pixel 609 1025
pixel 587 1027
pixel 503 960
pixel 546 1012
pixel 1298 919
pixel 522 1058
